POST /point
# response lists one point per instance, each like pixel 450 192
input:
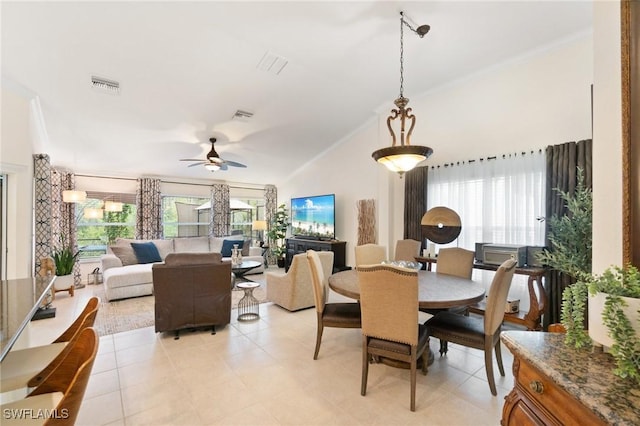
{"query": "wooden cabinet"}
pixel 555 384
pixel 298 245
pixel 537 400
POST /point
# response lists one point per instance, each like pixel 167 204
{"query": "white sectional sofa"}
pixel 124 276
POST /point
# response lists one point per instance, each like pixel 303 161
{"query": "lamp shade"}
pixel 259 225
pixel 73 196
pixel 402 158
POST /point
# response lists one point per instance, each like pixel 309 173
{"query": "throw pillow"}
pixel 227 245
pixel 245 247
pixel 146 252
pixel 125 253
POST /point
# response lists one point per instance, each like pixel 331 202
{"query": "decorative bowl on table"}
pixel 403 264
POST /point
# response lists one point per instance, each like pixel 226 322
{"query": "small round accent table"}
pixel 248 306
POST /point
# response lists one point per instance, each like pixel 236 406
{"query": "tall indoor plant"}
pixel 277 232
pixel 570 240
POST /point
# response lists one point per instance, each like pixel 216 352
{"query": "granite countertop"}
pixel 585 374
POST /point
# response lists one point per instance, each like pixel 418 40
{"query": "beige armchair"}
pixel 294 290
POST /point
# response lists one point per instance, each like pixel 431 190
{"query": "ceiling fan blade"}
pixel 234 164
pixel 197 164
pixel 223 166
pixel 191 159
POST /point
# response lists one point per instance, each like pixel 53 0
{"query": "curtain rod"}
pixel 167 181
pixel 481 159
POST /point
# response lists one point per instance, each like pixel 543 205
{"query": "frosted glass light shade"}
pixel 73 196
pixel 401 159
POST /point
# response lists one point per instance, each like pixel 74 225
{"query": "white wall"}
pixel 16 161
pixel 607 138
pixel 537 100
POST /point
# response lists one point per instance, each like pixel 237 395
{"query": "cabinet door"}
pixel 521 414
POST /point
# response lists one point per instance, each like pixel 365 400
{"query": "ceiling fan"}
pixel 213 161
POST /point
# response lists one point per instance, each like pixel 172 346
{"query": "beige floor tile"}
pixel 101 410
pixel 102 383
pixel 104 362
pixel 152 394
pixel 174 412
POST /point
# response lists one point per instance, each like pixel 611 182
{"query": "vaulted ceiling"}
pixel 185 68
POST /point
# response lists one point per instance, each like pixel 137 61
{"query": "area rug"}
pixel 137 312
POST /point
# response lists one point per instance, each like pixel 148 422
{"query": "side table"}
pixel 248 306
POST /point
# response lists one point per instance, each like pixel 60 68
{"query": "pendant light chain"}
pixel 401 55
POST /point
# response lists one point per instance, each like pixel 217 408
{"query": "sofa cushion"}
pixel 146 252
pixel 227 245
pixel 125 253
pixel 191 244
pixel 132 275
pixel 164 247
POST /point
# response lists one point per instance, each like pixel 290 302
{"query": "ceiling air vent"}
pixel 105 85
pixel 272 63
pixel 241 115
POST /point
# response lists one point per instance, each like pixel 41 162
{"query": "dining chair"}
pixel 478 332
pixel 390 327
pixel 407 250
pixel 455 261
pixel 370 254
pixel 28 367
pixel 59 396
pixel 340 315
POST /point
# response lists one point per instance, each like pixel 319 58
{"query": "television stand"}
pixel 300 245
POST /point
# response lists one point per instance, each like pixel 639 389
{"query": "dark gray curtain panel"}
pixel 415 202
pixel 563 162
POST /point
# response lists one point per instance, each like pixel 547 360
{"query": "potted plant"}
pixel 277 233
pixel 614 317
pixel 570 243
pixel 64 259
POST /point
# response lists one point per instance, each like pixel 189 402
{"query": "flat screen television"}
pixel 314 217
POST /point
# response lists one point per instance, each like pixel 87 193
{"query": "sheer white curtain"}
pixel 499 200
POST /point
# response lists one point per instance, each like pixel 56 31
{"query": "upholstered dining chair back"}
pixel 455 261
pixel 370 254
pixel 339 315
pixel 318 279
pixel 389 312
pixel 407 250
pixel 497 297
pixel 389 303
pixel 62 391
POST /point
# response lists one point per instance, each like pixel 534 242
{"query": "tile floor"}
pixel 263 373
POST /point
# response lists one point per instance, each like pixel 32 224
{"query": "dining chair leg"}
pixel 498 351
pixel 365 366
pixel 318 336
pixel 488 365
pixel 413 378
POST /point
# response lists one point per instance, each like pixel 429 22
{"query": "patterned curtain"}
pixel 149 209
pixel 562 163
pixel 220 217
pixel 415 202
pixel 270 207
pixel 64 217
pixel 366 222
pixel 42 208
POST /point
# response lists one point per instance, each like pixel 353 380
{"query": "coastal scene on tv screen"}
pixel 313 216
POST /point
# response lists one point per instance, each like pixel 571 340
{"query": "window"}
pixel 98 230
pixel 185 216
pixel 498 200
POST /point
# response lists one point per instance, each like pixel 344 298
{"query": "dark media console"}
pixel 300 245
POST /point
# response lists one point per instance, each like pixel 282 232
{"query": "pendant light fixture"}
pixel 73 196
pixel 403 157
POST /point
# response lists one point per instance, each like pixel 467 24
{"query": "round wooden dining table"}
pixel 436 291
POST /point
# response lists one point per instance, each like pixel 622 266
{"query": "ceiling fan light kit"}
pixel 213 162
pixel 402 157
